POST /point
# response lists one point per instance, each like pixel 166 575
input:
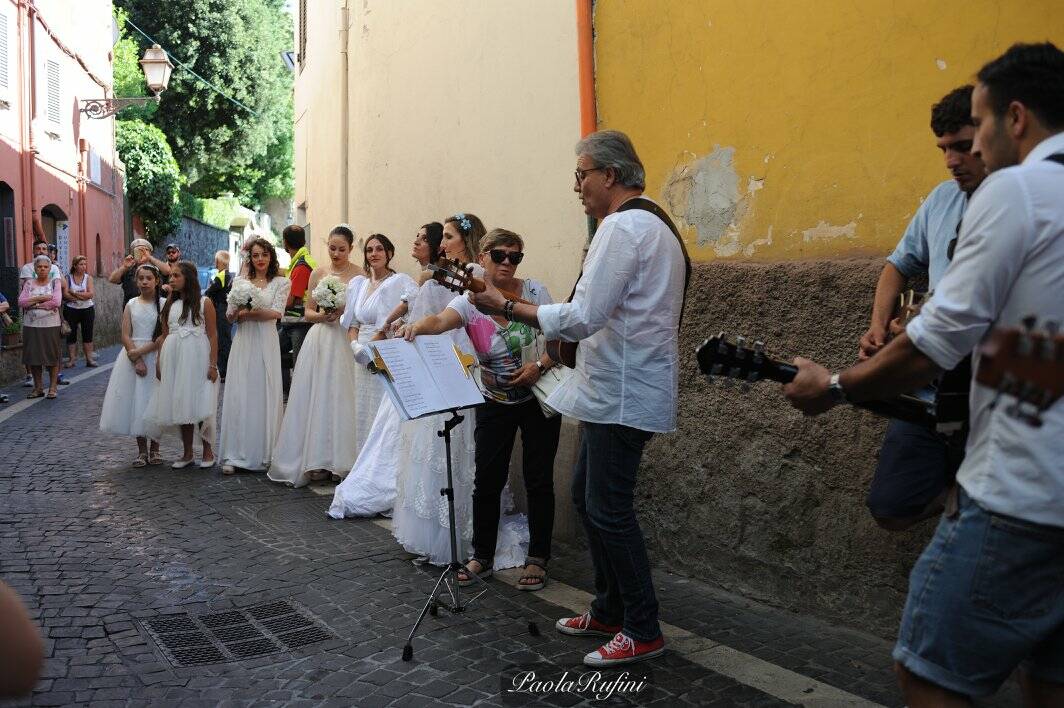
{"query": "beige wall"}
pixel 457 106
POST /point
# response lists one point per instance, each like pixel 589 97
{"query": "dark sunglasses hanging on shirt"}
pixel 498 256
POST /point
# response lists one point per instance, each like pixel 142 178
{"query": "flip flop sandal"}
pixel 51 395
pixel 154 458
pixel 35 394
pixel 484 574
pixel 540 581
pixel 141 461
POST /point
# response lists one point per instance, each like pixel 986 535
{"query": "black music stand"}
pixel 449 577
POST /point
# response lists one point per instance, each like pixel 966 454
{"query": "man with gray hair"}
pixel 125 274
pixel 625 311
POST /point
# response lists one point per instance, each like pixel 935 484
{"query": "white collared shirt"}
pixel 1009 264
pixel 625 314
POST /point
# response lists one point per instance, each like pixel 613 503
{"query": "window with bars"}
pixel 302 33
pixel 51 70
pixel 4 80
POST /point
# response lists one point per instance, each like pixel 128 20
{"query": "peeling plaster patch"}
pixel 825 231
pixel 941 63
pixel 769 157
pixel 755 184
pixel 749 249
pixel 705 194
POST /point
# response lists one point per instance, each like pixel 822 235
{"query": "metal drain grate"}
pixel 189 640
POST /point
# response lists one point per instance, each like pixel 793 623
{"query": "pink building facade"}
pixel 60 178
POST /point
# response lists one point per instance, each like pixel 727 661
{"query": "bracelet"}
pixel 508 310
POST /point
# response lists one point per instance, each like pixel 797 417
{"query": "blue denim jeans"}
pixel 603 494
pixel 986 596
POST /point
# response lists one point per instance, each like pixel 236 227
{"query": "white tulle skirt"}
pixel 420 519
pixel 369 489
pixel 316 429
pixel 125 405
pixel 184 395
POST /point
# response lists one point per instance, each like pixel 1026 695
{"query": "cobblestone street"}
pixel 100 552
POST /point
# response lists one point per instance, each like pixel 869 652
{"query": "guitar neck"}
pixel 905 407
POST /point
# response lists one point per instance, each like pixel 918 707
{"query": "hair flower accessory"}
pixel 463 222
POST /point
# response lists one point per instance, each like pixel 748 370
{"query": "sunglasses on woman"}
pixel 498 256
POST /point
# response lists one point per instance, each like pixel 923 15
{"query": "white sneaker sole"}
pixel 573 632
pixel 595 659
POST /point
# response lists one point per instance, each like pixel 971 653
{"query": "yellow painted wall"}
pixel 795 129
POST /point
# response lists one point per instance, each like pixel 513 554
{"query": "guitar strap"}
pixel 644 204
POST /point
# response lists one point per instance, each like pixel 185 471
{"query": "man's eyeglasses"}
pixel 498 256
pixel 581 174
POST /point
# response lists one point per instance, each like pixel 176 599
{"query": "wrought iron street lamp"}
pixel 157 68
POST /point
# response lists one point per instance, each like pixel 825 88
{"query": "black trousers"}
pixel 225 342
pixel 79 317
pixel 497 426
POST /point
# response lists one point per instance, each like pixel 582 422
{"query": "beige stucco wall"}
pixel 457 106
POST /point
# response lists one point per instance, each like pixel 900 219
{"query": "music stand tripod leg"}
pixel 449 577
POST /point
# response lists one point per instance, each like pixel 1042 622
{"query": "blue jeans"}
pixel 986 595
pixel 603 494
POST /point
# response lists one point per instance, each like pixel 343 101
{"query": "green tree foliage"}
pixel 128 76
pixel 235 45
pixel 152 177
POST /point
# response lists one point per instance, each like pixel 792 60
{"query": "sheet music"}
pixel 412 387
pixel 426 376
pixel 458 388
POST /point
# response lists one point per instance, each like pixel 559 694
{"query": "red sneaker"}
pixel 622 649
pixel 585 626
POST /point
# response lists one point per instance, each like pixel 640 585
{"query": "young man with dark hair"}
pixel 985 597
pixel 294 239
pixel 916 464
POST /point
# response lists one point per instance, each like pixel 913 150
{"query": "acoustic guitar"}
pixel 456 276
pixel 1025 364
pixel 718 357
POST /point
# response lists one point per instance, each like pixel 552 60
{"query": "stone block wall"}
pixel 198 242
pixel 751 495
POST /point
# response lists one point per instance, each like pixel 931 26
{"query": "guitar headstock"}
pixel 1025 363
pixel 719 357
pixel 455 275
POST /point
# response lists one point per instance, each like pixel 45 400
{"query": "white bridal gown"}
pixel 252 405
pixel 185 396
pixel 316 430
pixel 367 311
pixel 420 520
pixel 126 402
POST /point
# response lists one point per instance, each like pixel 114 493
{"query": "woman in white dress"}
pixel 252 406
pixel 133 381
pixel 365 313
pixel 420 520
pixel 314 441
pixel 370 487
pixel 187 366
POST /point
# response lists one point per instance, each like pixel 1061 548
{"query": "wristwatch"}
pixel 835 390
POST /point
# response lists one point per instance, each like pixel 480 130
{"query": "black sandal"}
pixel 484 574
pixel 540 580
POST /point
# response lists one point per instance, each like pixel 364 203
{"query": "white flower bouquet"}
pixel 329 293
pixel 244 295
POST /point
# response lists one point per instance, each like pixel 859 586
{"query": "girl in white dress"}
pixel 315 440
pixel 365 313
pixel 252 405
pixel 370 487
pixel 133 377
pixel 187 365
pixel 420 520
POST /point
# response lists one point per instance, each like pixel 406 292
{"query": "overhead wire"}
pixel 189 69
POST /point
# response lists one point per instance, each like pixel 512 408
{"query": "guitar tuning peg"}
pixel 759 347
pixel 740 342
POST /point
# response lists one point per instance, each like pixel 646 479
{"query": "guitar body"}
pixel 563 352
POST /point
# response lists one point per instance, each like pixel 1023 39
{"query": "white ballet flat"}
pixel 181 464
pixel 207 464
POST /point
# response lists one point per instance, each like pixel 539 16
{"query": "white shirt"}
pixel 1009 264
pixel 625 314
pixel 28 272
